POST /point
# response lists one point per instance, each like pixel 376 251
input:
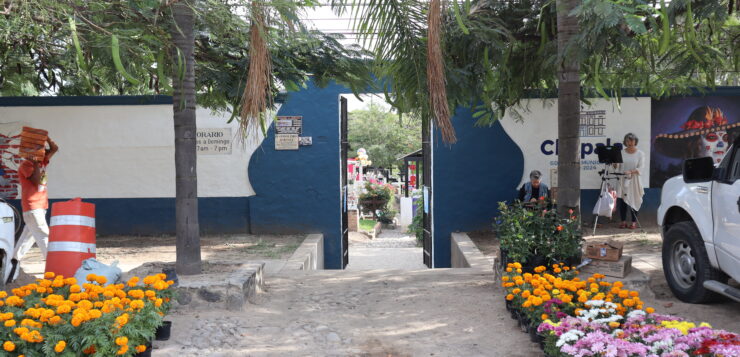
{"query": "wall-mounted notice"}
pixel 289 125
pixel 214 141
pixel 305 140
pixel 286 142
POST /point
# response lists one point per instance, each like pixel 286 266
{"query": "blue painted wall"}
pixel 298 191
pixel 156 216
pixel 469 179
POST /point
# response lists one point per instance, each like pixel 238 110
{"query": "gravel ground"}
pixel 358 313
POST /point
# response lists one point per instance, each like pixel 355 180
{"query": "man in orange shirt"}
pixel 35 202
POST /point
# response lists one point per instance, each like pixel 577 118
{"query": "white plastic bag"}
pixel 91 266
pixel 606 203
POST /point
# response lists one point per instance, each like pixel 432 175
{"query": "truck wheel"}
pixel 686 264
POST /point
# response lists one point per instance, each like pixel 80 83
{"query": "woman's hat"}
pixel 703 120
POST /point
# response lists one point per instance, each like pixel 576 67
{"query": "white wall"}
pixel 128 151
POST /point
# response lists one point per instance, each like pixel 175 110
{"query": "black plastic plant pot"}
pixel 514 314
pixel 163 332
pixel 541 341
pixel 533 336
pixel 524 323
pixel 508 305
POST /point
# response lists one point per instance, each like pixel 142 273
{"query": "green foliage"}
pixel 386 216
pixel 124 47
pixel 385 136
pixel 367 225
pixel 498 53
pixel 528 230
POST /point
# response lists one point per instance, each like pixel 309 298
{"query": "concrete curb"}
pixel 465 253
pixel 231 289
pixel 308 256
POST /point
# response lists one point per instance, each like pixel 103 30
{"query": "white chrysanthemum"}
pixel 572 335
pixel 634 313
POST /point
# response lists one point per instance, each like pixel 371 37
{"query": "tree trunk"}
pixel 186 175
pixel 569 109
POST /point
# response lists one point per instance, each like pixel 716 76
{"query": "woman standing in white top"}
pixel 630 189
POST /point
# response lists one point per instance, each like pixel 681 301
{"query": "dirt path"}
pixel 131 251
pixel 352 313
pixel 644 245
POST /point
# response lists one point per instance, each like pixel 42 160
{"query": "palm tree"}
pixel 186 179
pixel 569 109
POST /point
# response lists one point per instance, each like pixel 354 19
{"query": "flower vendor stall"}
pixel 570 315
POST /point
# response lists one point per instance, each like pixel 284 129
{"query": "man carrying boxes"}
pixel 34 196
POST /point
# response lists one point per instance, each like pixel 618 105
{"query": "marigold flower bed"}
pixel 57 317
pixel 572 316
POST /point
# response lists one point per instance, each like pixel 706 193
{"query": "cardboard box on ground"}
pixel 618 269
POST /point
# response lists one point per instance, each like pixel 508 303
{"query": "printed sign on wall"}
pixel 691 127
pixel 602 123
pixel 286 142
pixel 214 141
pixel 289 125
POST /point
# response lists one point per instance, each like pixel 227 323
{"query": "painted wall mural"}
pixel 691 127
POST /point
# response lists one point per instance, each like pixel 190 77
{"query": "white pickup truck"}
pixel 700 218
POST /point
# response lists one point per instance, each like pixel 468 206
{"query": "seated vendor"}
pixel 534 189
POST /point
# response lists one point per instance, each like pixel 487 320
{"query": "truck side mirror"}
pixel 698 170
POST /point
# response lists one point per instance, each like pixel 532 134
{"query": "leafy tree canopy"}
pixel 498 52
pixel 385 135
pixel 103 47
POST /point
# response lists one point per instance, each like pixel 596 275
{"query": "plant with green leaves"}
pixel 386 136
pixel 536 235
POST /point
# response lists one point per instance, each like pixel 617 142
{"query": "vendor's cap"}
pixel 535 175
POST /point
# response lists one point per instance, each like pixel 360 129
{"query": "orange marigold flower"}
pixel 59 347
pixel 91 277
pixel 49 275
pixel 10 323
pixel 559 228
pixel 9 346
pixel 123 340
pixel 544 317
pixel 122 350
pixel 509 297
pixel 614 324
pixel 140 348
pixel 649 310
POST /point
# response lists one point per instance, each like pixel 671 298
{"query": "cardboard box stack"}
pixel 607 259
pixel 33 143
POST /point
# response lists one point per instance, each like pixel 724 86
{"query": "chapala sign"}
pixel 602 123
pixel 214 141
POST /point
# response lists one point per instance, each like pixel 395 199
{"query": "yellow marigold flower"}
pixel 140 348
pixel 614 324
pixel 158 302
pixel 55 320
pixel 527 303
pixel 509 297
pixel 49 275
pixel 75 289
pixel 76 321
pixel 537 301
pixel 91 277
pixel 505 279
pixel 628 302
pixel 516 291
pixel 122 320
pixel 526 294
pixel 120 341
pixel 509 270
pixel 518 271
pixel 60 346
pixel 63 309
pixel 95 313
pixel 10 323
pixel 704 324
pixel 45 283
pixel 517 265
pixel 41 290
pixel 566 298
pixel 150 293
pixel 151 279
pixel 70 281
pixel 57 283
pixel 9 346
